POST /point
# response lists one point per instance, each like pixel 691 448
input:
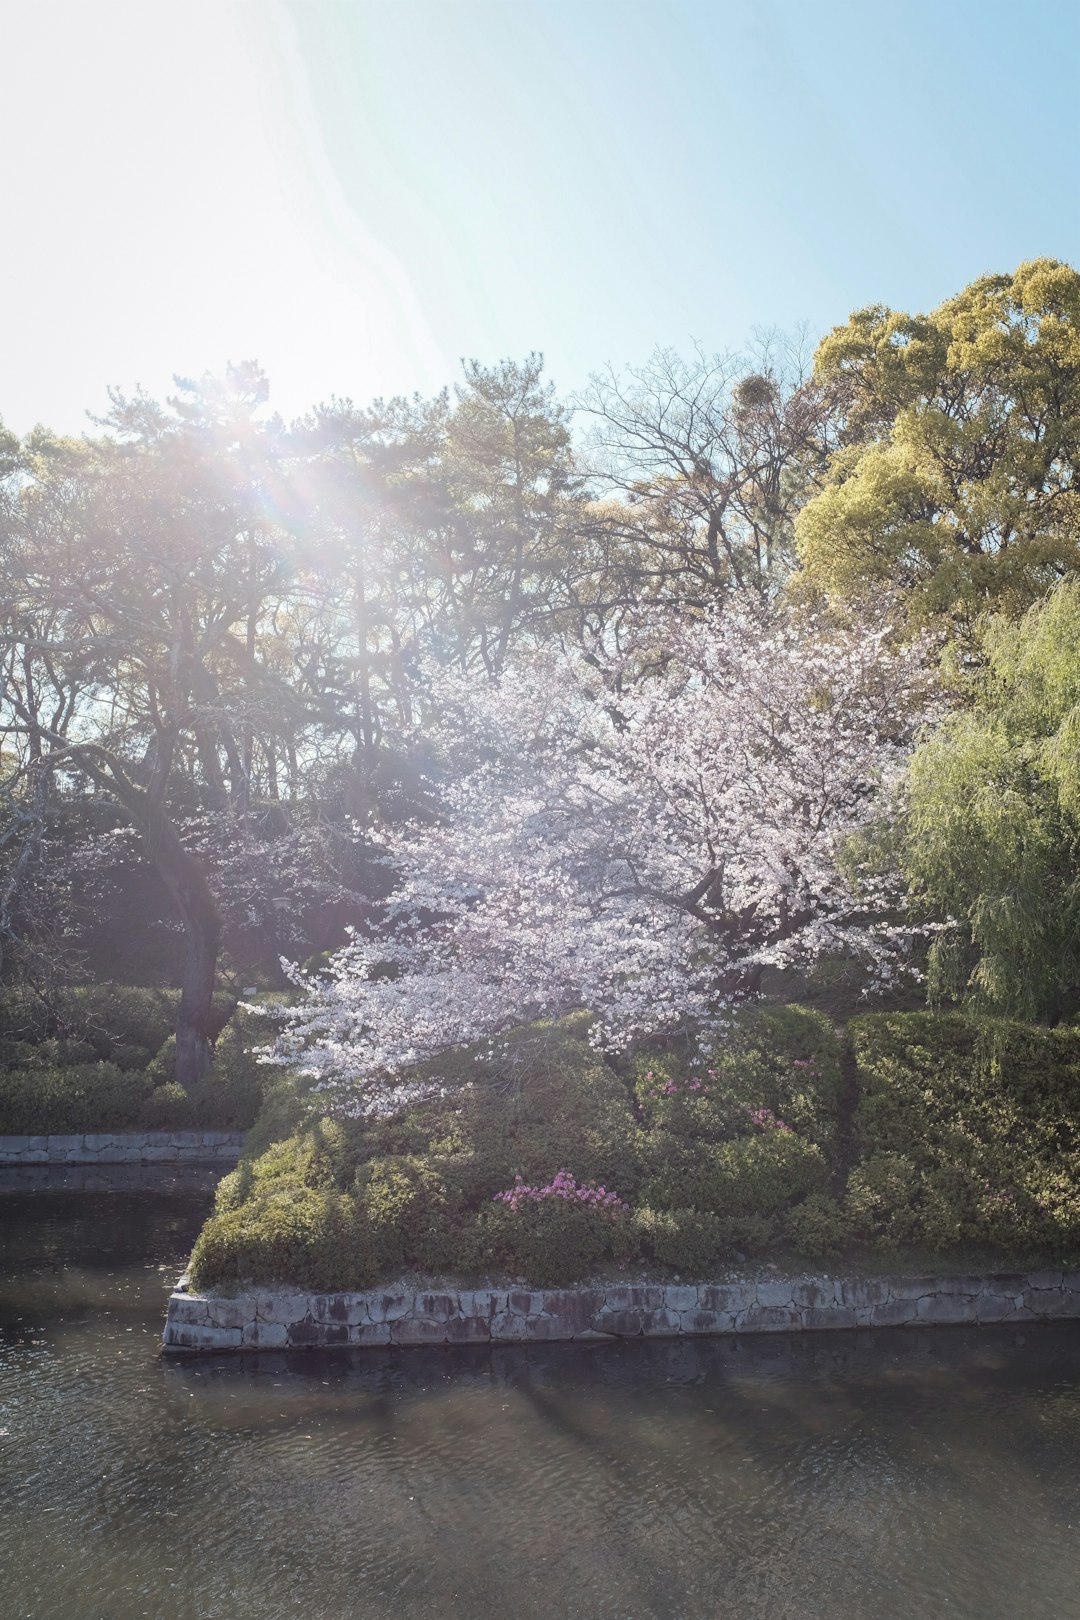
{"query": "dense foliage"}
pixel 965 1142
pixel 993 844
pixel 100 1058
pixel 341 1203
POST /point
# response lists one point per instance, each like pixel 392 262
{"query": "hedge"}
pixel 963 1135
pixel 100 1057
pixel 709 1173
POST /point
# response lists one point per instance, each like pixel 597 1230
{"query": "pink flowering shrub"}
pixel 562 1185
pixel 763 1119
pixel 557 1233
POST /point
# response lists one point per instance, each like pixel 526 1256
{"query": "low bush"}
pixel 780 1060
pixel 102 1058
pixel 967 1132
pixel 758 1175
pixel 310 1236
pixel 693 1242
pixel 42 1099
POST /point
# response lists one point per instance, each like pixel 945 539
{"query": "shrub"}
pixel 818 1227
pixel 752 1175
pixel 785 1059
pixel 167 1107
pixel 310 1236
pixel 411 1216
pixel 40 1100
pixel 968 1132
pixel 549 1241
pixel 693 1242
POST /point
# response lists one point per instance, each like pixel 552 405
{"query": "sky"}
pixel 360 193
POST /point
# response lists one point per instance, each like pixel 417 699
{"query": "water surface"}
pixel 835 1476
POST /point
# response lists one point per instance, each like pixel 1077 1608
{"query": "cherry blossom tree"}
pixel 640 835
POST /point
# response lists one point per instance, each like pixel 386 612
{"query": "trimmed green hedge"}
pixel 710 1171
pixel 963 1137
pixel 101 1058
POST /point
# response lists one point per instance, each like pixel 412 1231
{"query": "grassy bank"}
pixel 934 1138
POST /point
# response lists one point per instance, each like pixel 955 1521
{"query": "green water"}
pixel 837 1476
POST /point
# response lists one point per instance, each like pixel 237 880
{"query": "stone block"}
pixel 264 1336
pixel 944 1308
pixel 967 1285
pixel 625 1323
pixel 548 1329
pixel 858 1292
pixel 894 1313
pixel 574 1308
pixel 995 1308
pixel 436 1307
pixel 523 1302
pixel 769 1319
pixel 1050 1303
pixel 726 1296
pixel 594 1336
pixel 706 1323
pixel 508 1327
pixel 911 1287
pixel 330 1307
pixel 661 1324
pixel 188 1308
pixel 1045 1279
pixel 470 1330
pixel 230 1313
pixel 774 1295
pixel 190 1336
pixel 818 1317
pixel 389 1307
pixel 480 1301
pixel 284 1308
pixel 814 1293
pixel 680 1297
pixel 308 1332
pixel 417 1330
pixel 369 1334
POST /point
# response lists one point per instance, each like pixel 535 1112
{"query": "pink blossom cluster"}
pixel 562 1185
pixel 674 1088
pixel 766 1120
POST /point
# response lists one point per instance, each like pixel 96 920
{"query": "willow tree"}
pixel 994 841
pixel 956 475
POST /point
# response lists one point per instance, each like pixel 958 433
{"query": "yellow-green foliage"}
pixel 953 482
pixel 752 1175
pixel 994 826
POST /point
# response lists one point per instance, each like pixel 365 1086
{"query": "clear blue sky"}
pixel 359 192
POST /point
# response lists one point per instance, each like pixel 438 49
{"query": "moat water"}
pixel 836 1476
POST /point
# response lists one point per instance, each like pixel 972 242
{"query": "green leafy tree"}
pixel 993 848
pixel 956 476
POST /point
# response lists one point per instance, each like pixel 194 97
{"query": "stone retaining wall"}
pixel 264 1320
pixel 124 1147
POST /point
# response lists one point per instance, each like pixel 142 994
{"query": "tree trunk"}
pixel 196 1025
